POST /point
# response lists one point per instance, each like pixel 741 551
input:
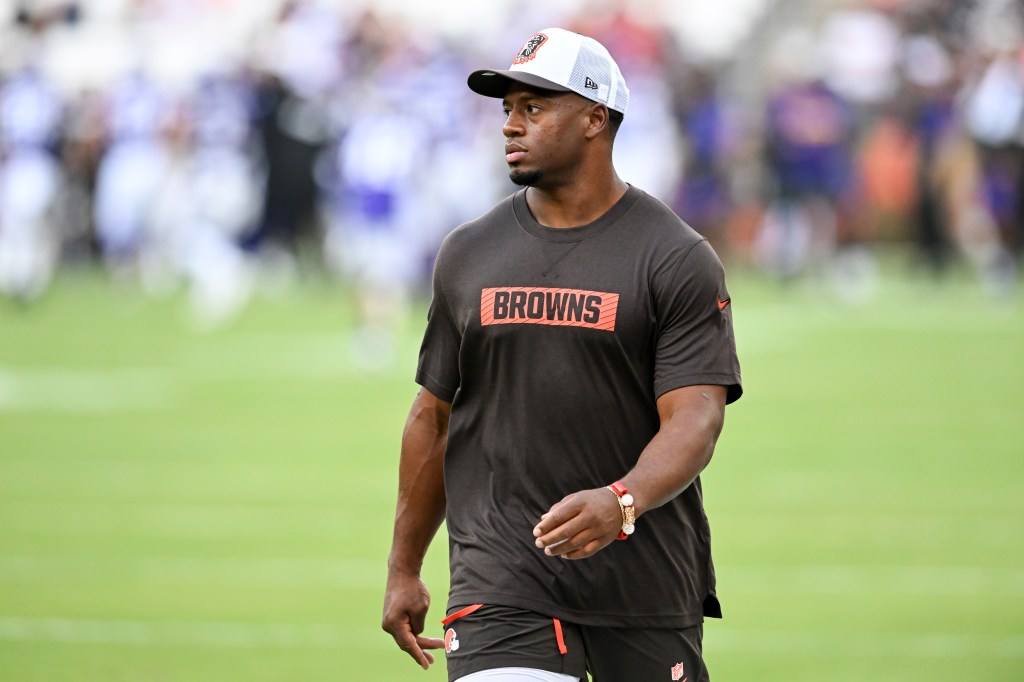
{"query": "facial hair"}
pixel 525 178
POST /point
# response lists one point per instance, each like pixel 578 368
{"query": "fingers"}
pixel 426 658
pixel 578 546
pixel 555 517
pixel 417 620
pixel 430 643
pixel 565 538
pixel 415 646
pixel 406 603
pixel 562 538
pixel 588 550
pixel 579 525
pixel 564 531
pixel 567 547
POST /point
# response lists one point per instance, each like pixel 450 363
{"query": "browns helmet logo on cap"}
pixel 529 50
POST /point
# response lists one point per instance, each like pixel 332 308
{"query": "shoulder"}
pixel 657 231
pixel 470 235
pixel 653 215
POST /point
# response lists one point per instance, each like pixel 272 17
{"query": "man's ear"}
pixel 597 120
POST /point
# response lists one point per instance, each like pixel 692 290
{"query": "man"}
pixel 576 365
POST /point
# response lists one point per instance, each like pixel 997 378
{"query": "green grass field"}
pixel 177 505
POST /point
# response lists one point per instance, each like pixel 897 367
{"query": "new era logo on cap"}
pixel 563 61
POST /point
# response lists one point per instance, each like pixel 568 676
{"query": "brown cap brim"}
pixel 490 83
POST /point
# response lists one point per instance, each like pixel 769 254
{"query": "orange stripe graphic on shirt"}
pixel 543 305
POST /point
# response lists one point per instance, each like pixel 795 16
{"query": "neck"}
pixel 578 202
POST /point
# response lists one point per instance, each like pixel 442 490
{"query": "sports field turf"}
pixel 177 505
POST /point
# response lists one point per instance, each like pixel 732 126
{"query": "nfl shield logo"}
pixel 677 672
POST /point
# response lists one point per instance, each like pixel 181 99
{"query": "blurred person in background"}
pixel 374 187
pixel 930 73
pixel 225 195
pixel 861 49
pixel 709 138
pixel 376 234
pixel 300 60
pixel 30 179
pixel 808 146
pixel 208 201
pixel 468 178
pixel 994 118
pixel 388 212
pixel 131 171
pixel 81 149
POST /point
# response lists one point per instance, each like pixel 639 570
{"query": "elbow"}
pixel 710 429
pixel 430 413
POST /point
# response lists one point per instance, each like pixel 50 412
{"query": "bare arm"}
pixel 587 521
pixel 419 513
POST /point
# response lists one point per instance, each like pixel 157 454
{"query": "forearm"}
pixel 421 497
pixel 680 450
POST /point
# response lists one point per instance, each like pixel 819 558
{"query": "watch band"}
pixel 625 500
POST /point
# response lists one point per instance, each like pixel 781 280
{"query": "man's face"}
pixel 543 134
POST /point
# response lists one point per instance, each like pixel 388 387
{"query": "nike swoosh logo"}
pixel 722 304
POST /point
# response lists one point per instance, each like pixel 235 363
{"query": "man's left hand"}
pixel 580 525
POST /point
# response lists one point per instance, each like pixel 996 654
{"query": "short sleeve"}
pixel 695 342
pixel 438 367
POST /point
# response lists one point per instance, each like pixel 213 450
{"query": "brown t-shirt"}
pixel 552 346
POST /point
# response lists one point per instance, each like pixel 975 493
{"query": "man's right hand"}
pixel 406 601
pixel 418 515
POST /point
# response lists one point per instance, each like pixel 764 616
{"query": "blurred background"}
pixel 217 223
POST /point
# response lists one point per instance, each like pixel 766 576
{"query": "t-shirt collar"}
pixel 571 234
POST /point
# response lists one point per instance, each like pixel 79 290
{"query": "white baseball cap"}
pixel 563 61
